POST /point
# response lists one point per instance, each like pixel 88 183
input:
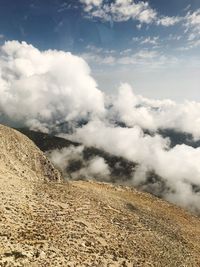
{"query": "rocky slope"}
pixel 46 222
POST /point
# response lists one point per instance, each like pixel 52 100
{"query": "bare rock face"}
pixel 47 222
pixel 21 157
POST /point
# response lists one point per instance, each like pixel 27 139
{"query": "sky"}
pixel 152 45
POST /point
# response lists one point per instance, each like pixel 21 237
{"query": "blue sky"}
pixel 154 45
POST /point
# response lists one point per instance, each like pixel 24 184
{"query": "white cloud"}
pixel 191 37
pixel 156 114
pixel 187 7
pixel 123 10
pixel 95 168
pixel 98 166
pixel 99 58
pixel 139 26
pixel 174 37
pixel 92 2
pixel 192 28
pixel 128 9
pixel 124 107
pixel 168 21
pixel 142 57
pixel 190 44
pixel 146 54
pixel 193 19
pixel 54 85
pixel 151 40
pixel 62 157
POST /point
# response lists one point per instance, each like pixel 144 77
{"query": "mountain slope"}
pixel 46 222
pixel 20 156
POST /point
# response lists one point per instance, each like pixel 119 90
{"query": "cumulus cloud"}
pixel 60 83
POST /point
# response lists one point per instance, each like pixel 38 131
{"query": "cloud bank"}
pixel 178 166
pixel 154 114
pixel 41 89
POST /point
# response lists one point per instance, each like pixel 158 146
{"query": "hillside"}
pixel 47 222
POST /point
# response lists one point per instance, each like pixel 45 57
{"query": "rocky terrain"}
pixel 45 221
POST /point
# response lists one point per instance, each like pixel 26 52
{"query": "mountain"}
pixel 48 222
